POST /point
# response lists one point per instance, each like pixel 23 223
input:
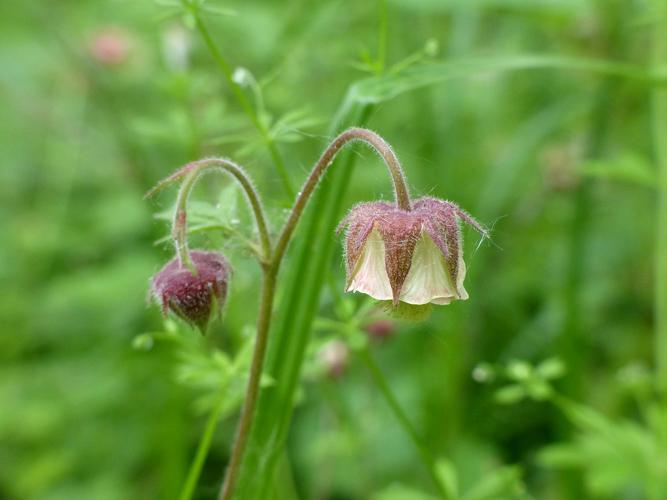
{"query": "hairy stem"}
pixel 271 272
pixel 252 391
pixel 192 172
pixel 352 134
pixel 424 454
pixel 245 104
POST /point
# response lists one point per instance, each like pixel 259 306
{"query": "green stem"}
pixel 252 391
pixel 424 454
pixel 245 104
pixel 401 192
pixel 202 451
pixel 270 272
pixel 659 114
pixel 192 172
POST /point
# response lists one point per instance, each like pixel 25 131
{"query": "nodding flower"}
pixel 412 256
pixel 197 297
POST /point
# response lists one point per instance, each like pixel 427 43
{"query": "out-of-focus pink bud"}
pixel 334 355
pixel 381 329
pixel 110 46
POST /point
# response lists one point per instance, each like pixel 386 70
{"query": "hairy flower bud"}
pixel 198 297
pixel 415 256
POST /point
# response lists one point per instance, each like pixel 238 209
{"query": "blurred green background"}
pixel 500 105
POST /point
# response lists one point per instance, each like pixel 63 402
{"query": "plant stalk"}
pixel 192 172
pixel 270 272
pixel 401 192
pixel 246 106
pixel 424 454
pixel 252 392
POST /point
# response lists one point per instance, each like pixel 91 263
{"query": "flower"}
pixel 414 256
pixel 334 356
pixel 198 297
pixel 110 46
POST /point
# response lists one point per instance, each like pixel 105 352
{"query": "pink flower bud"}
pixel 110 46
pixel 415 256
pixel 381 329
pixel 334 355
pixel 194 297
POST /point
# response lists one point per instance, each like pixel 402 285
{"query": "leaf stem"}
pixel 245 104
pixel 424 454
pixel 202 451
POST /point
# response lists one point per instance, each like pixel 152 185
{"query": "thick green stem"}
pixel 245 104
pixel 202 451
pixel 252 392
pixel 424 454
pixel 659 113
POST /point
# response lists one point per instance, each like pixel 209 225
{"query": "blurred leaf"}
pixel 627 167
pixel 504 482
pixel 400 492
pixel 510 394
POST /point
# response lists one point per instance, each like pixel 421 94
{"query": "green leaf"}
pixel 628 167
pixel 510 394
pixel 504 482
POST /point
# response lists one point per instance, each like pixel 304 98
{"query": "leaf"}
pixel 629 168
pixel 401 492
pixel 510 394
pixel 551 369
pixel 504 482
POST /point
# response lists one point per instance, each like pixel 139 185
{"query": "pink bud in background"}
pixel 110 46
pixel 381 329
pixel 334 355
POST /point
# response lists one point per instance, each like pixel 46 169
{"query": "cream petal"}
pixel 370 275
pixel 428 280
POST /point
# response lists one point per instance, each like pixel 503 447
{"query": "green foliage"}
pixel 535 115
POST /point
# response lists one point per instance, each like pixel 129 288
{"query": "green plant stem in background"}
pixel 247 107
pixel 424 454
pixel 659 114
pixel 270 272
pixel 202 451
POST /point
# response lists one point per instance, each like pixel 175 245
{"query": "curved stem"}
pixel 401 193
pixel 202 451
pixel 271 272
pixel 192 172
pixel 424 454
pixel 252 392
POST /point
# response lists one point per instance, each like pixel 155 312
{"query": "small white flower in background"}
pixel 334 355
pixel 414 257
pixel 176 45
